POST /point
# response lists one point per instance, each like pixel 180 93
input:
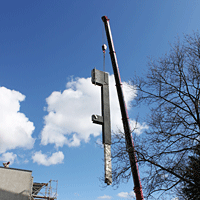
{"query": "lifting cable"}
pixel 104 47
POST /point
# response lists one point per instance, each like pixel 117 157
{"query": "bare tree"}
pixel 192 172
pixel 171 90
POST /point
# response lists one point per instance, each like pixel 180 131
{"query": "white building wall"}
pixel 15 184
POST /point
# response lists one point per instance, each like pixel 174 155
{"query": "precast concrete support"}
pixel 100 78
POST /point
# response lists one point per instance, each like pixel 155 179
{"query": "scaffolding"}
pixel 45 190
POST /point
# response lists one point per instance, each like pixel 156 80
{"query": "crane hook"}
pixel 104 47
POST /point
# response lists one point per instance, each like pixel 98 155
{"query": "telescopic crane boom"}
pixel 124 113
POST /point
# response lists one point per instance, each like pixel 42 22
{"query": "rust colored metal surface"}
pixel 124 113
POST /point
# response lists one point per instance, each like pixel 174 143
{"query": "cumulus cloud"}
pixel 105 197
pixel 43 159
pixel 137 127
pixel 16 129
pixel 9 156
pixel 68 121
pixel 126 195
pixel 123 194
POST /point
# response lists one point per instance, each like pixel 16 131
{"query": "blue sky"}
pixel 47 52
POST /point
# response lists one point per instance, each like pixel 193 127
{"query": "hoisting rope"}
pixel 104 47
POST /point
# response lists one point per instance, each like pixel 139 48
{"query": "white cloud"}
pixel 137 127
pixel 126 195
pixel 68 121
pixel 15 129
pixel 99 143
pixel 163 176
pixel 9 156
pixel 43 159
pixel 105 197
pixel 26 161
pixel 131 194
pixel 123 194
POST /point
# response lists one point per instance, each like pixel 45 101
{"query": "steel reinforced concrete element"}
pixel 101 78
pixel 124 113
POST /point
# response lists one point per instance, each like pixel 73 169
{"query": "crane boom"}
pixel 124 113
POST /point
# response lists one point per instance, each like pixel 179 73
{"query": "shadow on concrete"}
pixel 7 195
